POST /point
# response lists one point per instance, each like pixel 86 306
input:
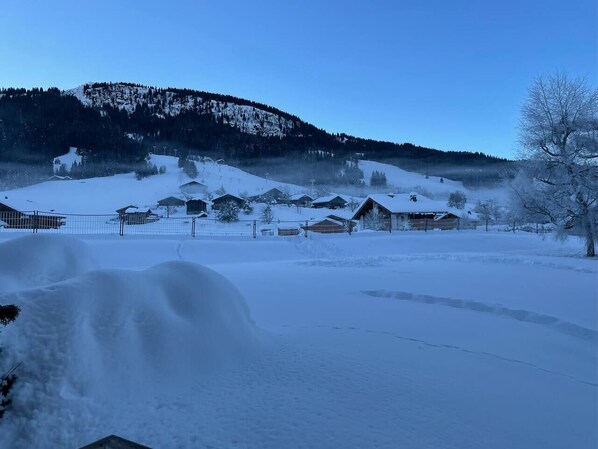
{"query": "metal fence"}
pixel 113 224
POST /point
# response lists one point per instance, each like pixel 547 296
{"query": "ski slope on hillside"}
pixel 107 194
pixel 452 340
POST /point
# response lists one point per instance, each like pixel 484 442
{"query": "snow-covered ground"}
pixel 415 340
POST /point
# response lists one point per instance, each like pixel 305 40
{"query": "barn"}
pixel 11 217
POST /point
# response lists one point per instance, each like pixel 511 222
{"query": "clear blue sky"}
pixel 439 73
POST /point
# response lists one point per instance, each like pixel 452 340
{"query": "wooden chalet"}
pixel 193 187
pixel 171 201
pixel 196 206
pixel 404 212
pixel 301 200
pixel 330 202
pixel 217 203
pixel 273 195
pixel 332 224
pixel 136 217
pixel 12 218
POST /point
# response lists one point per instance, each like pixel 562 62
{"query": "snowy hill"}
pixel 247 118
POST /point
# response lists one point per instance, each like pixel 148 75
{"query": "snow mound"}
pixel 36 260
pixel 118 333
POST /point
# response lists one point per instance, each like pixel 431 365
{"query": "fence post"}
pixel 514 226
pixel 486 225
pixel 35 218
pixel 425 225
pixel 306 225
pixel 121 230
pixel 458 224
pixel 254 229
pixel 193 227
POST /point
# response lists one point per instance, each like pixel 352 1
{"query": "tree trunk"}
pixel 589 234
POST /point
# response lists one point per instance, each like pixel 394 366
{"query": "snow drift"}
pixel 36 260
pixel 121 333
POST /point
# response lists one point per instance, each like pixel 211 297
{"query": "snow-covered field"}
pixel 413 340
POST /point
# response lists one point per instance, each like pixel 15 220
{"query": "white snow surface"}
pixel 418 340
pixel 405 181
pixel 67 159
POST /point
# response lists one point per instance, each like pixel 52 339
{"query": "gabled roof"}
pixel 195 200
pixel 327 199
pixel 114 442
pixel 229 196
pixel 300 196
pixel 171 201
pixel 192 183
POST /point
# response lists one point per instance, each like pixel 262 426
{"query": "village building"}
pixel 129 217
pixel 330 202
pixel 301 200
pixel 405 211
pixel 332 224
pixel 11 217
pixel 218 202
pixel 193 187
pixel 274 195
pixel 196 206
pixel 170 203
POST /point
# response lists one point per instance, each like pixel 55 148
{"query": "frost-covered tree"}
pixel 488 210
pixel 228 212
pixel 559 139
pixel 267 214
pixel 374 220
pixel 457 199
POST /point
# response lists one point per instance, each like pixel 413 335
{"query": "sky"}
pixel 445 74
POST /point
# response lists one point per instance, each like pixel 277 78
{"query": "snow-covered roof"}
pixel 299 196
pixel 193 183
pixel 326 199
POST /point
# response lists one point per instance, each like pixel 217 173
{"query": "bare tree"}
pixel 559 136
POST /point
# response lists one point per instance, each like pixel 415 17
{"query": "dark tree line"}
pixel 37 125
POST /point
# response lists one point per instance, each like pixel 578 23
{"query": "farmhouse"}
pixel 301 200
pixel 196 206
pixel 331 202
pixel 193 187
pixel 405 211
pixel 217 203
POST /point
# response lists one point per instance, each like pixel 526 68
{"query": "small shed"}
pixel 196 206
pixel 331 202
pixel 136 217
pixel 114 442
pixel 193 187
pixel 217 203
pixel 170 203
pixel 327 226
